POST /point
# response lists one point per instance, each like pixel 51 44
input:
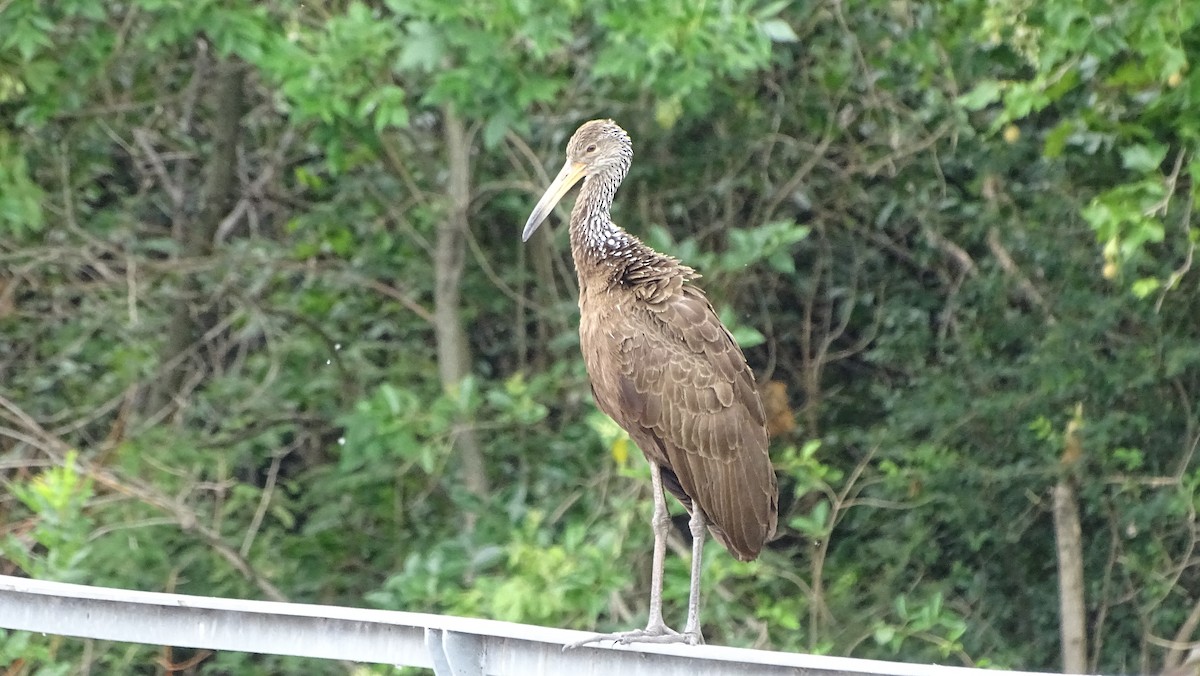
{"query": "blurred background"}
pixel 267 328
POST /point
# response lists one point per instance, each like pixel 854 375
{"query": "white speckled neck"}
pixel 598 233
pixel 592 228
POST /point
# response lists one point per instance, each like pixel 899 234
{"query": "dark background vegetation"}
pixel 267 329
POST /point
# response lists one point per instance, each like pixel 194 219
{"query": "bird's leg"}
pixel 656 630
pixel 698 525
pixel 660 524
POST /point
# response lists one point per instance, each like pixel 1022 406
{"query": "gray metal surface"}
pixel 455 646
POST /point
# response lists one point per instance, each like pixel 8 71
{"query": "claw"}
pixel 660 634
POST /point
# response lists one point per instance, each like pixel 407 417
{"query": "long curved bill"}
pixel 566 179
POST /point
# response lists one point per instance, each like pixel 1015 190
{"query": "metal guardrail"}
pixel 451 646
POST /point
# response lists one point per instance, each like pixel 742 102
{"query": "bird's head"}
pixel 599 147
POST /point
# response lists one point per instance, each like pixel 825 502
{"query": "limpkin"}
pixel 666 370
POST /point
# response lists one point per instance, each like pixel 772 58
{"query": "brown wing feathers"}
pixel 689 401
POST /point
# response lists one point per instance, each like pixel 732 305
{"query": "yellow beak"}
pixel 566 179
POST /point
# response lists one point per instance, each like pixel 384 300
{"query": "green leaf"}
pixel 423 50
pixel 1143 158
pixel 1055 140
pixel 495 129
pixel 21 198
pixel 667 112
pixel 1145 286
pixel 778 30
pixel 984 94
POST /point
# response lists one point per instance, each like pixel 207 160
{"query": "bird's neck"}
pixel 593 233
pixel 605 254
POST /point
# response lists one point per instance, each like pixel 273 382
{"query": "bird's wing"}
pixel 686 385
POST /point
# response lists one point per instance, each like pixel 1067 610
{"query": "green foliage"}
pixel 57 546
pixel 1113 84
pixel 540 575
pixel 20 198
pixel 677 49
pixel 340 73
pixel 928 622
pixel 19 650
pixel 772 243
pixel 948 230
pixel 28 29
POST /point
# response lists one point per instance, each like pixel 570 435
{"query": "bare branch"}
pixel 1028 290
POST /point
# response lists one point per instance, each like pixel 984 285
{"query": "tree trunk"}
pixel 453 353
pixel 196 240
pixel 1069 541
pixel 1070 579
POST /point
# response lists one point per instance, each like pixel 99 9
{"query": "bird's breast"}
pixel 603 321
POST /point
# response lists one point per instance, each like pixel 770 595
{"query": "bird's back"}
pixel 667 371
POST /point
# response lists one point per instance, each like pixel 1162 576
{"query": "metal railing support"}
pixel 452 646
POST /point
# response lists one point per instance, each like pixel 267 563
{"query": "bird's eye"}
pixel 590 149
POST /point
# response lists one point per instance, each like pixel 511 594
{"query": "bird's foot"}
pixel 690 638
pixel 654 633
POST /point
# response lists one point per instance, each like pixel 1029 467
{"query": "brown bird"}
pixel 667 371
